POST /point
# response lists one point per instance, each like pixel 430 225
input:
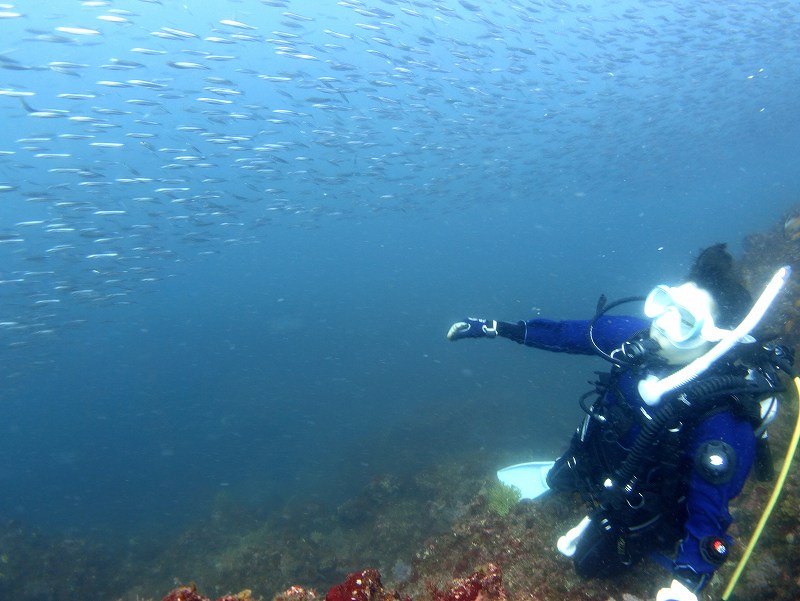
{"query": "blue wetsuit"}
pixel 703 516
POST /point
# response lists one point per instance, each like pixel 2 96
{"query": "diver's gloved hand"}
pixel 473 327
pixel 676 592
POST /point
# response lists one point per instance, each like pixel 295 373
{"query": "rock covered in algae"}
pixel 359 586
pixel 485 584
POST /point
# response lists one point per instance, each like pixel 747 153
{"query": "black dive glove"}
pixel 472 327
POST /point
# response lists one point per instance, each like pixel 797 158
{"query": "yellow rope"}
pixel 770 504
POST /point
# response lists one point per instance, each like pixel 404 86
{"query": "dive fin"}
pixel 530 478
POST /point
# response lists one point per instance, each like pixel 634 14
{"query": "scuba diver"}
pixel 658 456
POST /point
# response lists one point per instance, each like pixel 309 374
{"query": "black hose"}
pixel 694 396
pixel 602 309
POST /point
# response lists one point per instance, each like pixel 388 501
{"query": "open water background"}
pixel 252 296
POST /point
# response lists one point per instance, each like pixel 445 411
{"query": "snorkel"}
pixel 651 389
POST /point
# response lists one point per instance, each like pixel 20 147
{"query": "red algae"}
pixel 485 584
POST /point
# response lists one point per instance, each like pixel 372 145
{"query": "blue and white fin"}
pixel 530 478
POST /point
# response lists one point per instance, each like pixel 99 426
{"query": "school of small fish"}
pixel 139 134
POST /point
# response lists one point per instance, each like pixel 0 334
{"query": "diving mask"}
pixel 683 315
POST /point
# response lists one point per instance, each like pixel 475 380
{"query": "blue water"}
pixel 275 327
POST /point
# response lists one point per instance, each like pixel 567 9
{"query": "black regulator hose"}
pixel 705 390
pixel 602 308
